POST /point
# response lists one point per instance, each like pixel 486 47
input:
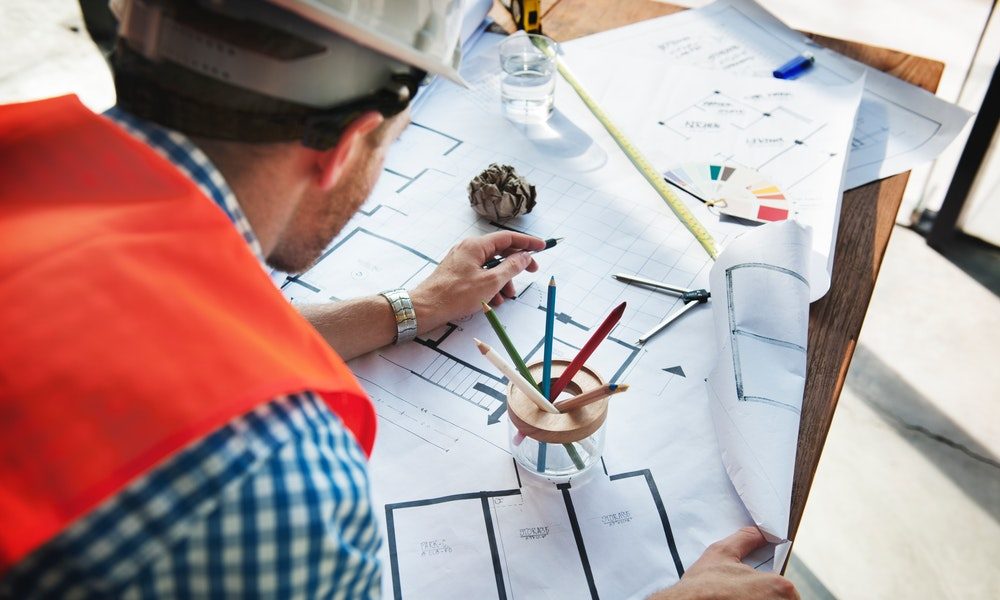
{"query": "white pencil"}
pixel 515 378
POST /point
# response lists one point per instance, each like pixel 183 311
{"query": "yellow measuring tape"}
pixel 641 163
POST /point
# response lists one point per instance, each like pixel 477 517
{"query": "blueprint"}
pixel 704 441
pixel 460 518
pixel 898 126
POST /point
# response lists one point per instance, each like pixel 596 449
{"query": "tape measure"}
pixel 527 14
pixel 641 163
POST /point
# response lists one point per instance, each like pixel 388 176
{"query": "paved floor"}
pixel 906 502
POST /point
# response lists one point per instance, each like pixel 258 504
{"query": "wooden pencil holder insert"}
pixel 545 443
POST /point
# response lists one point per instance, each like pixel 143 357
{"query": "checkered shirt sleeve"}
pixel 273 505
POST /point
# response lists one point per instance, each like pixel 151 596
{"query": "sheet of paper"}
pixel 761 309
pixel 899 126
pixel 473 14
pixel 794 137
pixel 459 517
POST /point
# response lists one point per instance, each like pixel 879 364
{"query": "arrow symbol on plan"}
pixel 675 370
pixel 495 417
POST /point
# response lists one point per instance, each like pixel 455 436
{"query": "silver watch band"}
pixel 406 317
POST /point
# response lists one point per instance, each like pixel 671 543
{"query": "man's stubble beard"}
pixel 321 217
pixel 313 228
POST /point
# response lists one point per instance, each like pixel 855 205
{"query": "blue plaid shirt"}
pixel 275 504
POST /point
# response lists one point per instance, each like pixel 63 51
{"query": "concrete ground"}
pixel 906 502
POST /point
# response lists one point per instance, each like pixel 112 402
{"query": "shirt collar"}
pixel 190 160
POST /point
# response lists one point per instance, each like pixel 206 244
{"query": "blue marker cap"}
pixel 795 67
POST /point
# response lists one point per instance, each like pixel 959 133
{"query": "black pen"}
pixel 498 260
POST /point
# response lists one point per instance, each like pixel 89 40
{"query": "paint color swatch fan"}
pixel 732 190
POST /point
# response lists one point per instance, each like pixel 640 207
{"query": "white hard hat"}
pixel 342 49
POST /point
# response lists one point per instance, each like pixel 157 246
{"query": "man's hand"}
pixel 454 289
pixel 458 285
pixel 719 574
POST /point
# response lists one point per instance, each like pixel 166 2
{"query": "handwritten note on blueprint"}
pixel 899 126
pixel 792 137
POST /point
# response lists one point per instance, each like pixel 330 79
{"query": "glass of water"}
pixel 528 83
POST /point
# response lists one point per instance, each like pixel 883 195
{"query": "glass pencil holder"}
pixel 558 447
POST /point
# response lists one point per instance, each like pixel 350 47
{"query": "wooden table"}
pixel 866 221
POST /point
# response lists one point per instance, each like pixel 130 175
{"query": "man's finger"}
pixel 739 544
pixel 505 242
pixel 520 243
pixel 507 291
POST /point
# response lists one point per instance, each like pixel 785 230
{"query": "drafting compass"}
pixel 691 299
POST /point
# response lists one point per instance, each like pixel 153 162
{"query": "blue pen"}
pixel 795 67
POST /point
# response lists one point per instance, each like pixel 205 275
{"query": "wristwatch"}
pixel 406 318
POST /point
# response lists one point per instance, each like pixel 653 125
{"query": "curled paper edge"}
pixel 758 440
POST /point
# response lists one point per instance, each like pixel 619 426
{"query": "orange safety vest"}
pixel 134 321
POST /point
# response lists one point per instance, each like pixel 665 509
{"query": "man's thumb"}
pixel 739 544
pixel 514 264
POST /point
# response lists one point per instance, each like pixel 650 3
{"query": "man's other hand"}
pixel 719 574
pixel 458 285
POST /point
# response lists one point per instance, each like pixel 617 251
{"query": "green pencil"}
pixel 522 368
pixel 508 345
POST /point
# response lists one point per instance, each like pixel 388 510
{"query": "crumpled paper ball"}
pixel 499 193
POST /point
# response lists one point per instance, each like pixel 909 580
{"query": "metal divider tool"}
pixel 691 299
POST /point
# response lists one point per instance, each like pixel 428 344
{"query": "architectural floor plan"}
pixel 460 519
pixel 452 497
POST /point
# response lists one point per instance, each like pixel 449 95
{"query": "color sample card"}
pixel 732 190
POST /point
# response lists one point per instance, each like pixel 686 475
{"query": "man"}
pixel 170 426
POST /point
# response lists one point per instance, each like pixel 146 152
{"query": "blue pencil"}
pixel 550 325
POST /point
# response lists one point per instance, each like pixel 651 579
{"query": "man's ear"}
pixel 331 164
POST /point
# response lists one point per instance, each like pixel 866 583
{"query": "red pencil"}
pixel 595 340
